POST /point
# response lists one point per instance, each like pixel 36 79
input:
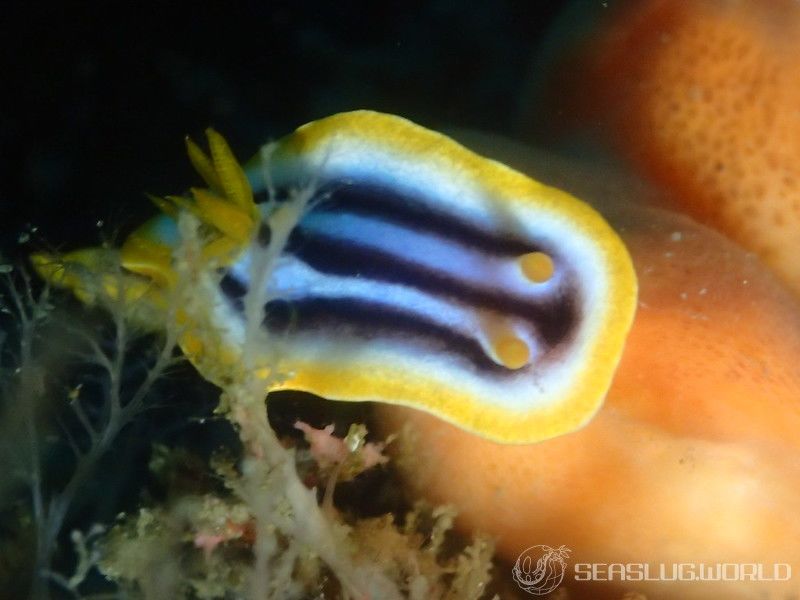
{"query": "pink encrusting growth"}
pixel 328 450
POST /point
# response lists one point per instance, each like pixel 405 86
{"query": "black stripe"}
pixel 419 214
pixel 554 318
pixel 234 290
pixel 374 321
pixel 260 196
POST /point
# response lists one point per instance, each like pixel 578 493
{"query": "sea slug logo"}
pixel 540 569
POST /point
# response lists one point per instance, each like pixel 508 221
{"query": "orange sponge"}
pixel 704 96
pixel 693 458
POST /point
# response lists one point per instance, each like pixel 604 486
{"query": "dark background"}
pixel 96 98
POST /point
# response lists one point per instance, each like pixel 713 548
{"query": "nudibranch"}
pixel 419 273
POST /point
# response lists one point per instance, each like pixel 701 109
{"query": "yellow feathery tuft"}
pixel 165 205
pixel 94 275
pixel 203 165
pixel 143 256
pixel 181 203
pixel 221 251
pixel 49 268
pixel 231 176
pixel 224 216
